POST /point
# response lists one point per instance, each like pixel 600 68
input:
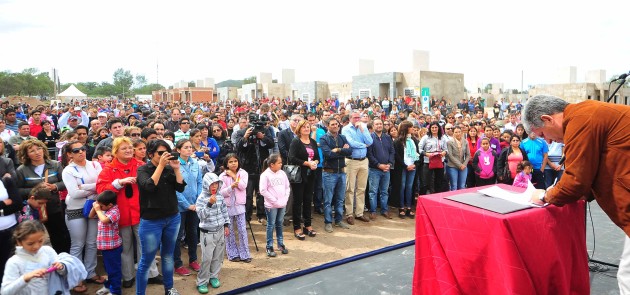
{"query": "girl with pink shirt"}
pixel 234 192
pixel 275 188
pixel 523 174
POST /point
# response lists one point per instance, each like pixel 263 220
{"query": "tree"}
pixel 488 88
pixel 191 84
pixel 141 81
pixel 249 80
pixel 123 81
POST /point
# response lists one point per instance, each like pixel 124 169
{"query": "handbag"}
pixel 435 161
pixel 294 173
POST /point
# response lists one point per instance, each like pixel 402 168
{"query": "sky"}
pixel 487 41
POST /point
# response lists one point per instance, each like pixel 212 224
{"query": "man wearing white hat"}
pixel 80 114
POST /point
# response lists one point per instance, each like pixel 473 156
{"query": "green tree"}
pixel 249 80
pixel 192 84
pixel 141 81
pixel 123 81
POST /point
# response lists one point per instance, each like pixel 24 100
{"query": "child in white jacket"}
pixel 275 188
pixel 27 272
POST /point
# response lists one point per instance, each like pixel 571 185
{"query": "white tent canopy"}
pixel 71 93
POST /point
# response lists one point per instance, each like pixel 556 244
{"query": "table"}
pixel 462 249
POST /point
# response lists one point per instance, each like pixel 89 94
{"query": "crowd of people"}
pixel 130 178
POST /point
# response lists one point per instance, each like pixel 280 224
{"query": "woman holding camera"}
pixel 158 182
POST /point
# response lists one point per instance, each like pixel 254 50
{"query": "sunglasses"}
pixel 135 134
pixel 216 130
pixel 78 150
pixel 184 123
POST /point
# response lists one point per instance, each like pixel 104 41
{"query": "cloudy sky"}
pixel 488 41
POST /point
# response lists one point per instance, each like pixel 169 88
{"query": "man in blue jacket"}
pixel 381 159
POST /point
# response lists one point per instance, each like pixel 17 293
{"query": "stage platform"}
pixel 390 270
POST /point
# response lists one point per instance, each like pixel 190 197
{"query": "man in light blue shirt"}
pixel 359 139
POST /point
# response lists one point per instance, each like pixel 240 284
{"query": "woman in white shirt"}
pixel 80 177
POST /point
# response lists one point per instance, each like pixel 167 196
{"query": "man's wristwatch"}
pixel 542 197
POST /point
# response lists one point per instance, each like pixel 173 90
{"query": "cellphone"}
pixel 174 156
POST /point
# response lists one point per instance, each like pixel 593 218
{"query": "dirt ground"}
pixel 325 247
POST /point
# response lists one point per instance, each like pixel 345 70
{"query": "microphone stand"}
pixel 623 81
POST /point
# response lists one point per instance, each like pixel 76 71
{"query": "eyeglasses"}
pixel 450 118
pixel 78 150
pixel 216 130
pixel 184 123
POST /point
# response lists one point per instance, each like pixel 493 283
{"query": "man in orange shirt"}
pixel 597 150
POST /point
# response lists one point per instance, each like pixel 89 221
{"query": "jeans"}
pixel 189 224
pixel 551 175
pixel 379 183
pixel 334 194
pixel 275 216
pixel 318 197
pixel 157 234
pixel 113 267
pixel 457 177
pixel 407 185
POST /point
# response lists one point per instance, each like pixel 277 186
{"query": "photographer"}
pixel 252 145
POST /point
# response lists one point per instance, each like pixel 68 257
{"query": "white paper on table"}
pixel 523 198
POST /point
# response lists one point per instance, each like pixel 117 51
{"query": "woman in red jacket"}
pixel 120 176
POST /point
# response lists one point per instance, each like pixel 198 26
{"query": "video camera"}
pixel 259 123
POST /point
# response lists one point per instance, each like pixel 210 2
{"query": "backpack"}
pixel 486 163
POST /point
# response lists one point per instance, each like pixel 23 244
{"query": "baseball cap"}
pixel 77 108
pixel 102 115
pixel 73 118
pixel 458 115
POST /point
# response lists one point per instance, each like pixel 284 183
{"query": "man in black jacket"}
pixel 335 148
pixel 252 150
pixel 286 136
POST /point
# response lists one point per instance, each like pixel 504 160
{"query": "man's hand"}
pixel 248 132
pixel 8 202
pixel 536 197
pixel 260 135
pixel 345 146
pixel 192 208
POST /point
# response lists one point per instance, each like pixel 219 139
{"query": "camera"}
pixel 259 123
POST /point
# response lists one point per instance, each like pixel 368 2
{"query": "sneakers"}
pixel 203 289
pixel 195 266
pixel 328 227
pixel 342 225
pixel 103 291
pixel 214 282
pixel 172 291
pixel 156 280
pixel 283 249
pixel 270 252
pixel 182 271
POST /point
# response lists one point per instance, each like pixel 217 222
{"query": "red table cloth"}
pixel 462 249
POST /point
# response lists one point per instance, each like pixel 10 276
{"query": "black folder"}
pixel 482 201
